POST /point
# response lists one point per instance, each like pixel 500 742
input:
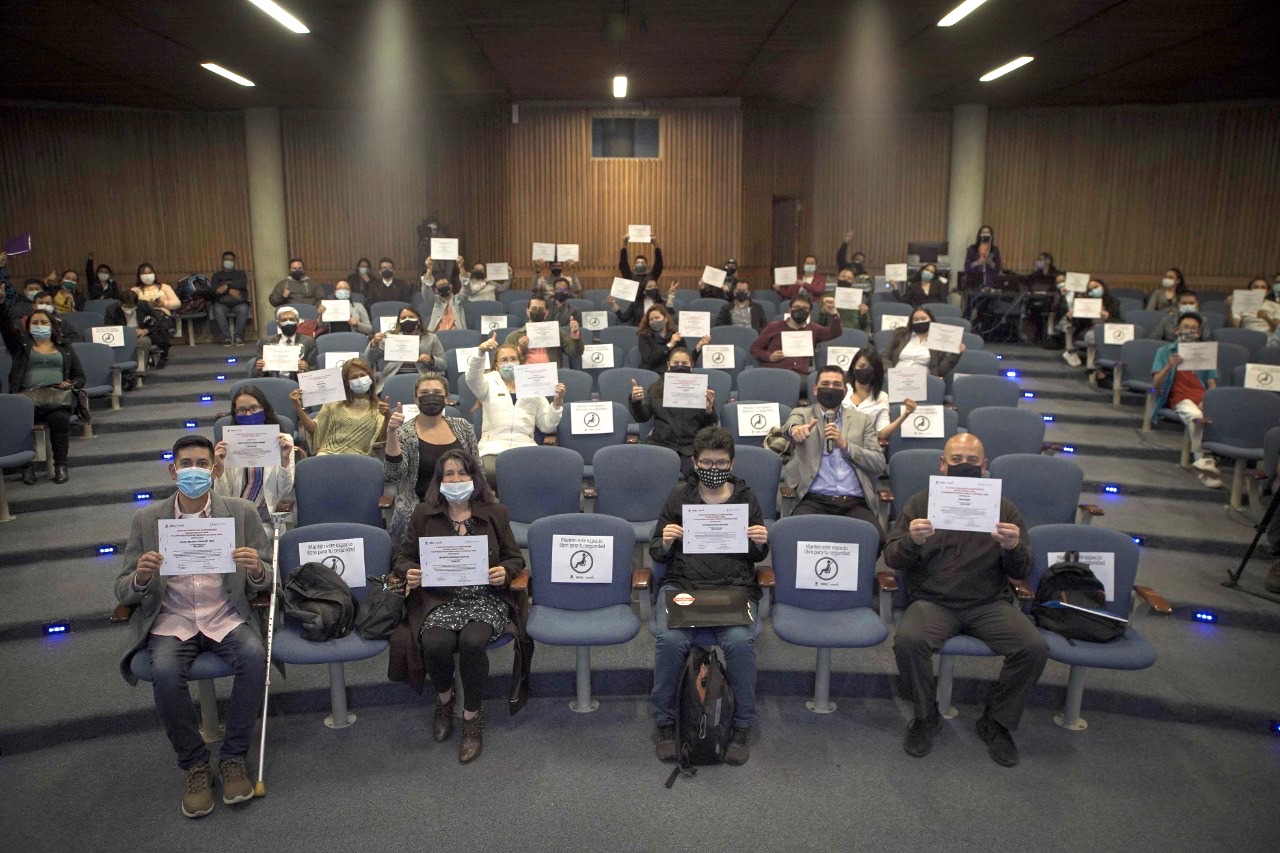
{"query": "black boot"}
pixel 60 474
pixel 29 474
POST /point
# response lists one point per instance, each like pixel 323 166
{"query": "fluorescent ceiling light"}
pixel 230 75
pixel 1005 69
pixel 959 12
pixel 288 21
pixel 620 86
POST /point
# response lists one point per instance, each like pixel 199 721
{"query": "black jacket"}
pixel 674 428
pixel 115 316
pixel 98 290
pixel 758 321
pixel 654 272
pixel 699 571
pixel 237 286
pixel 18 342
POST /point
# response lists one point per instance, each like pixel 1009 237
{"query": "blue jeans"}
pixel 738 643
pixel 220 318
pixel 171 660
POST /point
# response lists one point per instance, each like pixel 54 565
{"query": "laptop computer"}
pixel 719 607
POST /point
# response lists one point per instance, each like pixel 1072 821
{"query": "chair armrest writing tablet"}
pixel 887 581
pixel 386 502
pixel 122 613
pixel 520 583
pixel 765 576
pixel 1022 589
pixel 641 578
pixel 1093 509
pixel 1155 600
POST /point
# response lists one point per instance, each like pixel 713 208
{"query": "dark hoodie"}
pixel 699 571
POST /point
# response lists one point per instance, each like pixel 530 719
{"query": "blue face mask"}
pixel 256 419
pixel 360 385
pixel 42 333
pixel 1095 292
pixel 343 294
pixel 456 493
pixel 194 482
pixel 926 276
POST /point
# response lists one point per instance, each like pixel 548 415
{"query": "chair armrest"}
pixel 386 502
pixel 1022 589
pixel 262 600
pixel 1255 474
pixel 285 505
pixel 765 577
pixel 633 439
pixel 789 493
pixel 1203 421
pixel 1093 510
pixel 520 583
pixel 220 415
pixel 641 578
pixel 589 492
pixel 122 613
pixel 887 581
pixel 885 496
pixel 1153 599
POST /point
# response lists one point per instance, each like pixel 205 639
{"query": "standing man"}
pixel 181 615
pixel 230 296
pixel 298 288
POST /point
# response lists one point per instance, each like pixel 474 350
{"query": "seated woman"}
pixel 462 620
pixel 1165 298
pixel 508 422
pixel 907 346
pixel 867 395
pixel 926 287
pixel 431 358
pixel 263 487
pixel 102 283
pixel 350 426
pixel 43 364
pixel 68 295
pixel 1085 328
pixel 1267 318
pixel 414 445
pixel 361 279
pixel 163 302
pixel 673 428
pixel 359 315
pixel 657 336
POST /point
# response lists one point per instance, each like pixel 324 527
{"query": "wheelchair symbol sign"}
pixel 108 338
pixel 717 358
pixel 758 421
pixel 493 326
pixel 921 423
pixel 597 357
pixel 335 563
pixel 1117 334
pixel 1265 378
pixel 842 360
pixel 826 568
pixel 592 419
pixel 581 561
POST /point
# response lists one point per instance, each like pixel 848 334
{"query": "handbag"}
pixel 383 608
pixel 51 399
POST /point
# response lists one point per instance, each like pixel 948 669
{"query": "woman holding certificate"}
pixel 426 357
pixel 867 394
pixel 657 337
pixel 909 345
pixel 261 486
pixel 458 557
pixel 349 426
pixel 508 422
pixel 673 426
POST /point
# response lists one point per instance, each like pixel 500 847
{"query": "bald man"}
pixel 958 584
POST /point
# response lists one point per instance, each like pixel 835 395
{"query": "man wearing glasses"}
pixel 712 483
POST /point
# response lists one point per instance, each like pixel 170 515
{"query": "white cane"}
pixel 277 524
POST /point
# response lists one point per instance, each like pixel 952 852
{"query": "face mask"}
pixel 926 276
pixel 387 275
pixel 68 285
pixel 985 238
pixel 799 316
pixel 537 315
pixel 256 419
pixel 921 328
pixel 562 296
pixel 296 275
pixel 228 265
pixel 651 293
pixel 478 275
pixel 680 368
pixel 863 375
pixel 104 277
pixel 408 326
pixel 342 294
pixel 1167 282
pixel 287 329
pixel 964 469
pixel 657 325
pixel 642 267
pixel 730 269
pixel 741 295
pixel 810 269
pixel 46 307
pixel 360 385
pixel 42 333
pixel 712 478
pixel 830 398
pixel 1039 266
pixel 456 493
pixel 858 267
pixel 1095 292
pixel 32 294
pixel 1189 337
pixel 194 482
pixel 362 269
pixel 444 291
pixel 507 371
pixel 1186 309
pixel 555 271
pixel 844 282
pixel 1275 289
pixel 148 278
pixel 431 404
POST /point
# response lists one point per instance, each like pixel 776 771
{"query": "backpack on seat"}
pixel 1071 601
pixel 318 599
pixel 704 711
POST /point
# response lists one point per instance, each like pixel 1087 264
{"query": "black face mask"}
pixel 296 275
pixel 964 469
pixel 712 478
pixel 680 368
pixel 642 267
pixel 651 293
pixel 562 296
pixel 800 316
pixel 478 275
pixel 387 275
pixel 864 375
pixel 431 404
pixel 730 269
pixel 555 271
pixel 859 268
pixel 287 329
pixel 741 295
pixel 408 326
pixel 537 315
pixel 443 291
pixel 920 328
pixel 985 238
pixel 830 398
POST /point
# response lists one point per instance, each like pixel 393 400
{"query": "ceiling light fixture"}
pixel 230 75
pixel 959 12
pixel 620 86
pixel 288 21
pixel 1005 69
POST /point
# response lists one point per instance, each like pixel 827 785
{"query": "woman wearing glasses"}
pixel 673 428
pixel 263 487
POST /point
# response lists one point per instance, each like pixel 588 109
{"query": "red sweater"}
pixel 816 288
pixel 770 341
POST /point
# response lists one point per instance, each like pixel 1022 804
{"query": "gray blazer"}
pixel 404 471
pixel 144 536
pixel 864 451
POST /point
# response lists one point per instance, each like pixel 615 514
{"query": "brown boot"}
pixel 472 738
pixel 442 722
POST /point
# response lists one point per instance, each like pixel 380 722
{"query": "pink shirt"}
pixel 195 603
pixel 537 356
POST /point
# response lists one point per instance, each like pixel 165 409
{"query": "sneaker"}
pixel 1000 745
pixel 1272 583
pixel 197 795
pixel 1072 359
pixel 738 751
pixel 1211 481
pixel 666 748
pixel 919 740
pixel 236 787
pixel 228 342
pixel 1206 463
pixel 239 342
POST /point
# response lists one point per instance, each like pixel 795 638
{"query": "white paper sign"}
pixel 1198 356
pixel 336 310
pixel 463 356
pixel 1101 563
pixel 492 322
pixel 198 546
pixel 281 358
pixel 409 410
pixel 544 251
pixel 567 252
pixel 497 271
pixel 591 418
pixel 594 321
pixel 827 565
pixel 758 418
pixel 908 382
pixel 536 380
pixel 454 560
pixel 581 559
pixel 337 359
pixel 841 357
pixel 543 334
pixel 252 446
pixel 1077 282
pixel 969 504
pixel 597 356
pixel 713 276
pixel 624 289
pixel 797 344
pixel 694 325
pixel 1247 303
pixel 1114 334
pixel 400 347
pixel 344 556
pixel 639 233
pixel 719 356
pixel 112 336
pixel 1264 377
pixel 925 422
pixel 386 324
pixel 895 321
pixel 322 386
pixel 944 338
pixel 1086 308
pixel 715 528
pixel 444 248
pixel 684 390
pixel 848 298
pixel 895 273
pixel 785 275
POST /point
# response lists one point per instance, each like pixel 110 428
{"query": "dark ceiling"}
pixel 147 53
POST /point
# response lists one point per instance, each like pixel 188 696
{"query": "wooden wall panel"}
pixel 1129 192
pixel 776 141
pixel 132 186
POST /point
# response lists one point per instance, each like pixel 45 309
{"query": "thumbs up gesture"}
pixel 637 392
pixel 491 344
pixel 800 432
pixel 397 418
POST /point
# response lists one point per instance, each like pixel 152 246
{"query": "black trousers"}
pixel 438 647
pixel 815 504
pixel 58 423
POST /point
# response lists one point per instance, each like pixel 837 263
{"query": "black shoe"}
pixel 161 360
pixel 60 474
pixel 919 740
pixel 738 752
pixel 1272 582
pixel 1000 745
pixel 666 749
pixel 29 474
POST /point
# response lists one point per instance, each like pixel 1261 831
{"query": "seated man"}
pixel 287 324
pixel 570 339
pixel 1167 328
pixel 958 584
pixel 767 348
pixel 181 615
pixel 837 457
pixel 741 311
pixel 1183 391
pixel 297 289
pixel 714 484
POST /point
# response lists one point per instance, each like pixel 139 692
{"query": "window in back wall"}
pixel 624 137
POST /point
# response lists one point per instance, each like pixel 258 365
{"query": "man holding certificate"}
pixel 678 544
pixel 542 340
pixel 957 581
pixel 459 557
pixel 300 355
pixel 1181 389
pixel 777 346
pixel 190 566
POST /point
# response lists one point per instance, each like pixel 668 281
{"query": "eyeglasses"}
pixel 717 464
pixel 249 410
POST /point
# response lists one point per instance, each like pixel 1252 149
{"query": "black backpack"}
pixel 318 599
pixel 704 711
pixel 1072 582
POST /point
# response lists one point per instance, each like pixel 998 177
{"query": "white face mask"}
pixel 1167 282
pixel 148 278
pixel 228 265
pixel 104 276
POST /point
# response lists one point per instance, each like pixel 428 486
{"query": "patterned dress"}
pixel 470 604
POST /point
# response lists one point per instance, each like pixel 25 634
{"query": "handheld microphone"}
pixel 829 418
